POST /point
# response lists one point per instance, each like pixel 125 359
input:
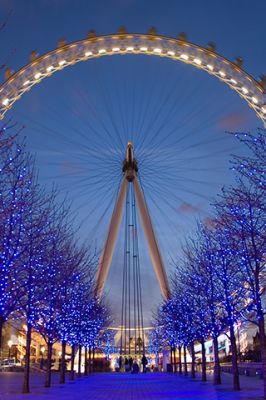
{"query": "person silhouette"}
pixel 120 362
pixel 130 363
pixel 144 362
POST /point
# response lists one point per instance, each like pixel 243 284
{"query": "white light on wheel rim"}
pixel 197 61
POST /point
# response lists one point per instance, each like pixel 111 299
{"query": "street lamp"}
pixel 238 325
pixel 9 343
pixel 42 353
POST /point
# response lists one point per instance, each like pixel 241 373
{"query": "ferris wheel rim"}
pixel 93 47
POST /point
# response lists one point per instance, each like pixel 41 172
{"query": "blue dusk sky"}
pixel 77 122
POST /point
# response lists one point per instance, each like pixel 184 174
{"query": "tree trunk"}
pixel 63 364
pixel 193 375
pixel 93 358
pixel 171 358
pixel 174 349
pixel 180 361
pixel 26 382
pixel 48 365
pixel 235 372
pixel 86 362
pixel 185 360
pixel 72 372
pixel 89 359
pixel 263 351
pixel 79 362
pixel 217 368
pixel 203 372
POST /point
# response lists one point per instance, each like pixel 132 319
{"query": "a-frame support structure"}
pixel 130 170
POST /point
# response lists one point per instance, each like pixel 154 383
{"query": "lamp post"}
pixel 59 359
pixel 9 343
pixel 42 354
pixel 238 325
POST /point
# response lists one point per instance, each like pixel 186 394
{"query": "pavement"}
pixel 125 386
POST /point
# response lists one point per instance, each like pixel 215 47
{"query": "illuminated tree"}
pixel 253 166
pixel 229 273
pixel 76 295
pixel 199 306
pixel 18 191
pixel 36 285
pixel 202 267
pixel 95 327
pixel 179 317
pixel 156 340
pixel 241 211
pixel 57 273
pixel 106 341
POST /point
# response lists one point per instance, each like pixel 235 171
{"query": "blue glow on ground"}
pixel 117 386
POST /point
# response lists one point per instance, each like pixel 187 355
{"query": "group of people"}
pixel 131 365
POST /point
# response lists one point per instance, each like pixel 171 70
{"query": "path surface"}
pixel 116 386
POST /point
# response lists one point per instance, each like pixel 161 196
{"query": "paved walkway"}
pixel 116 386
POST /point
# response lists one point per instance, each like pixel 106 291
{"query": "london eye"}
pixel 135 207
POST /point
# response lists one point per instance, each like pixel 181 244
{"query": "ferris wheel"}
pixel 142 107
pixel 40 67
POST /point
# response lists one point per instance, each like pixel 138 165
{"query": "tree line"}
pixel 46 273
pixel 220 278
